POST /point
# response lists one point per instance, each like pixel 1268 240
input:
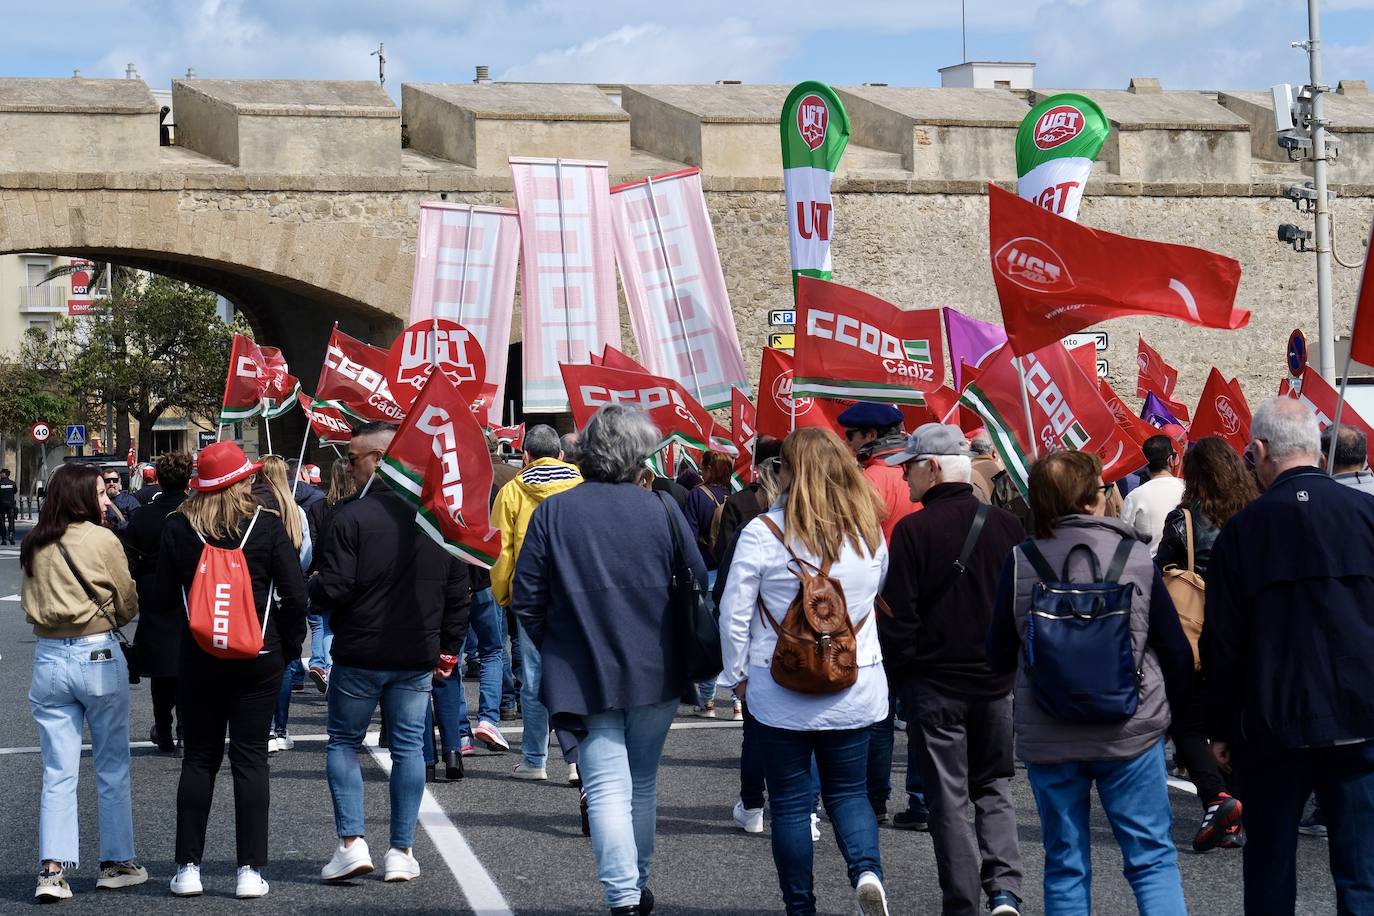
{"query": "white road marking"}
pixel 11 598
pixel 1182 785
pixel 477 885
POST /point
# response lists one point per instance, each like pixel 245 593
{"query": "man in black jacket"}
pixel 942 574
pixel 9 506
pixel 1288 659
pixel 398 605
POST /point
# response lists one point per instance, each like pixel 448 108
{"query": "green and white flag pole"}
pixel 815 132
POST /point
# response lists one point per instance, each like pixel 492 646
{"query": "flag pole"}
pixel 1336 421
pixel 368 486
pixel 301 457
pixel 1025 403
pixel 267 428
pixel 952 411
pixel 672 287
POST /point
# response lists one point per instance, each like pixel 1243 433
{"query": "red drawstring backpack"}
pixel 219 608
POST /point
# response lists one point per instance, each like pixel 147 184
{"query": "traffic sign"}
pixel 1097 338
pixel 204 438
pixel 41 432
pixel 76 435
pixel 782 341
pixel 1297 353
pixel 782 317
pixel 1102 368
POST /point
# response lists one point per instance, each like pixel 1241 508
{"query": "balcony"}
pixel 45 299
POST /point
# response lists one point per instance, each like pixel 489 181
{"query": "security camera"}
pixel 1283 107
pixel 1290 234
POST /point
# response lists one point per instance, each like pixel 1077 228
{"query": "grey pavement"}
pixel 524 836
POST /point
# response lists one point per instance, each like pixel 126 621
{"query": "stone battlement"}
pixel 322 135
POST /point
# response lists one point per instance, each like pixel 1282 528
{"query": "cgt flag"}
pixel 353 380
pixel 1055 277
pixel 1157 376
pixel 1317 393
pixel 675 412
pixel 1222 412
pixel 326 422
pixel 815 132
pixel 853 345
pixel 438 462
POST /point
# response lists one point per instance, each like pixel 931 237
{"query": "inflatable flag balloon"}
pixel 1055 149
pixel 815 132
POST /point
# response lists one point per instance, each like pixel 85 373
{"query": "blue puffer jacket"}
pixel 1288 647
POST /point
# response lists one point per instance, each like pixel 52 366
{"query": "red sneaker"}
pixel 1222 813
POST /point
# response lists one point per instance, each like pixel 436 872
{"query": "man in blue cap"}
pixel 874 431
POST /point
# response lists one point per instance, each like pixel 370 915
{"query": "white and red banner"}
pixel 465 261
pixel 244 382
pixel 676 413
pixel 1318 394
pixel 328 423
pixel 679 308
pixel 853 345
pixel 436 343
pixel 353 380
pixel 1055 277
pixel 1222 411
pixel 567 280
pixel 439 463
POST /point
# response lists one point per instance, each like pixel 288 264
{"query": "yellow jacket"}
pixel 511 512
pixel 54 601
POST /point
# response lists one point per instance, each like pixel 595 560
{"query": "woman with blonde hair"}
pixel 237 695
pixel 273 492
pixel 827 517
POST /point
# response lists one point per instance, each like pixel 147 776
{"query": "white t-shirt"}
pixel 1148 504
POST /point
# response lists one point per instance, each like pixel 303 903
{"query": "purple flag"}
pixel 1155 413
pixel 970 341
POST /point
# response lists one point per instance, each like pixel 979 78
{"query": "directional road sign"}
pixel 782 341
pixel 782 317
pixel 1097 338
pixel 76 435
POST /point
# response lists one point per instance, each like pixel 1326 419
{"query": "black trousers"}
pixel 164 690
pixel 1193 751
pixel 8 516
pixel 214 695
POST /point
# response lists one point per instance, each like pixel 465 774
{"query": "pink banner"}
pixel 465 260
pixel 567 281
pixel 679 308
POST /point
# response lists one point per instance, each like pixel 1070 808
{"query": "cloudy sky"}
pixel 1207 44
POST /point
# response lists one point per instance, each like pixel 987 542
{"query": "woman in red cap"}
pixel 238 694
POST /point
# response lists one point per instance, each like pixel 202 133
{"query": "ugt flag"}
pixel 1055 277
pixel 1055 148
pixel 1222 412
pixel 675 412
pixel 853 345
pixel 438 462
pixel 1157 376
pixel 815 131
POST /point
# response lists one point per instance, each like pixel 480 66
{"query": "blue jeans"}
pixel 294 669
pixel 69 687
pixel 752 778
pixel 881 737
pixel 353 697
pixel 618 761
pixel 321 641
pixel 451 712
pixel 1135 796
pixel 842 760
pixel 487 624
pixel 1273 789
pixel 534 740
pixel 511 663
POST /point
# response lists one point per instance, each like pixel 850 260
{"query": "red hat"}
pixel 314 470
pixel 220 465
pixel 150 475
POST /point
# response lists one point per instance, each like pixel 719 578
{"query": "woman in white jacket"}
pixel 830 516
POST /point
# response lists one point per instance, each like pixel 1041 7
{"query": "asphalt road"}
pixel 492 845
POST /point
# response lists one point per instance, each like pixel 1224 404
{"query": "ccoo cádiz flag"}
pixel 1055 277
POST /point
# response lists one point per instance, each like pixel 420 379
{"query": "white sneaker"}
pixel 348 862
pixel 250 883
pixel 491 736
pixel 520 771
pixel 750 820
pixel 869 892
pixel 400 865
pixel 186 883
pixel 574 777
pixel 285 742
pixel 815 827
pixel 272 745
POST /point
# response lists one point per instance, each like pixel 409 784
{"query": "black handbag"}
pixel 131 656
pixel 695 618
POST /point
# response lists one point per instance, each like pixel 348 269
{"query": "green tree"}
pixel 155 345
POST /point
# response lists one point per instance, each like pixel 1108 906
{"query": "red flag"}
pixel 1362 330
pixel 1159 377
pixel 353 380
pixel 675 412
pixel 326 422
pixel 244 381
pixel 1085 355
pixel 130 458
pixel 1221 412
pixel 613 358
pixel 1318 394
pixel 435 343
pixel 514 436
pixel 775 402
pixel 1130 424
pixel 743 419
pixel 1055 277
pixel 279 386
pixel 438 462
pixel 853 345
pixel 1066 411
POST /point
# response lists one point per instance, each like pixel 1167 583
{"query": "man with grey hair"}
pixel 545 474
pixel 1288 656
pixel 1351 457
pixel 942 574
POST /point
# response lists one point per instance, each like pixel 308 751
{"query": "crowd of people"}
pixel 1218 602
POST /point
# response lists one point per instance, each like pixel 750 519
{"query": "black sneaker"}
pixel 165 744
pixel 1004 903
pixel 916 817
pixel 1223 812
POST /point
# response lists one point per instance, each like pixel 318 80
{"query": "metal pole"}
pixel 463 274
pixel 1326 335
pixel 672 286
pixel 963 28
pixel 1025 403
pixel 1336 421
pixel 300 458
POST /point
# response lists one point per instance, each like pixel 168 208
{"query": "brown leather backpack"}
pixel 817 649
pixel 1189 593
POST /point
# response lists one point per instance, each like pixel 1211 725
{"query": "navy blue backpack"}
pixel 1079 654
